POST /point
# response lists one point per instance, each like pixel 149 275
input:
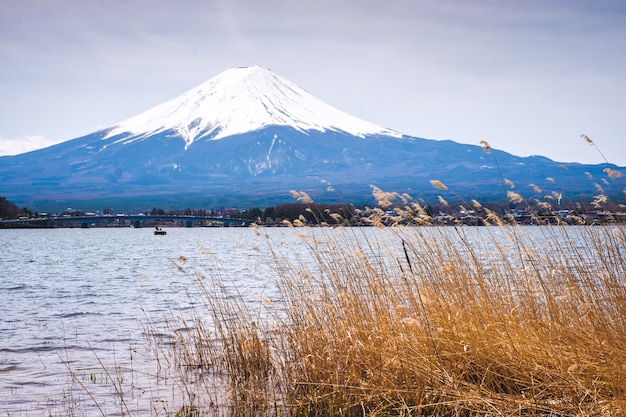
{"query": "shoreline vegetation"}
pixel 550 210
pixel 430 321
pixel 445 326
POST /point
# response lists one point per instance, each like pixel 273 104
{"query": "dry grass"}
pixel 427 321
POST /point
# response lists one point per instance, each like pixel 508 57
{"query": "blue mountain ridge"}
pixel 259 168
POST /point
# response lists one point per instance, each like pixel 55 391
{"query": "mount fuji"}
pixel 239 101
pixel 247 137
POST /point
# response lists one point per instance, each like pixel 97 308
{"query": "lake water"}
pixel 76 295
pixel 79 299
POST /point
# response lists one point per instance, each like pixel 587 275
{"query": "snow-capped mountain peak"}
pixel 242 100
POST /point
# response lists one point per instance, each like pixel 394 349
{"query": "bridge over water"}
pixel 118 220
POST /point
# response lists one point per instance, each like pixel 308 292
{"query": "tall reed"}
pixel 423 321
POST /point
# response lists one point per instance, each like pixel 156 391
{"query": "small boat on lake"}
pixel 159 231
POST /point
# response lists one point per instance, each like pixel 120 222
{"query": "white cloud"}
pixel 15 146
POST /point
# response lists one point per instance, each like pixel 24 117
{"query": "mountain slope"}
pixel 247 137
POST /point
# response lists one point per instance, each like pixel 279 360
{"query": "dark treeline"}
pixel 9 210
pixel 311 213
pixel 335 214
pixel 274 215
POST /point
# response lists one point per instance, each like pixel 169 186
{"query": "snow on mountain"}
pixel 242 100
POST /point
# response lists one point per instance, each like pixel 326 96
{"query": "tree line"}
pixel 9 210
pixel 334 214
pixel 274 215
pixel 310 213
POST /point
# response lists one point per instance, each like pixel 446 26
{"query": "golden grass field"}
pixel 513 323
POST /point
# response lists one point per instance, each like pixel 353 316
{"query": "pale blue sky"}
pixel 527 76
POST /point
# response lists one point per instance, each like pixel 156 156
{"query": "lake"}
pixel 78 301
pixel 75 295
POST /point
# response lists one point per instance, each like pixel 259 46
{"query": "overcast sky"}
pixel 529 76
